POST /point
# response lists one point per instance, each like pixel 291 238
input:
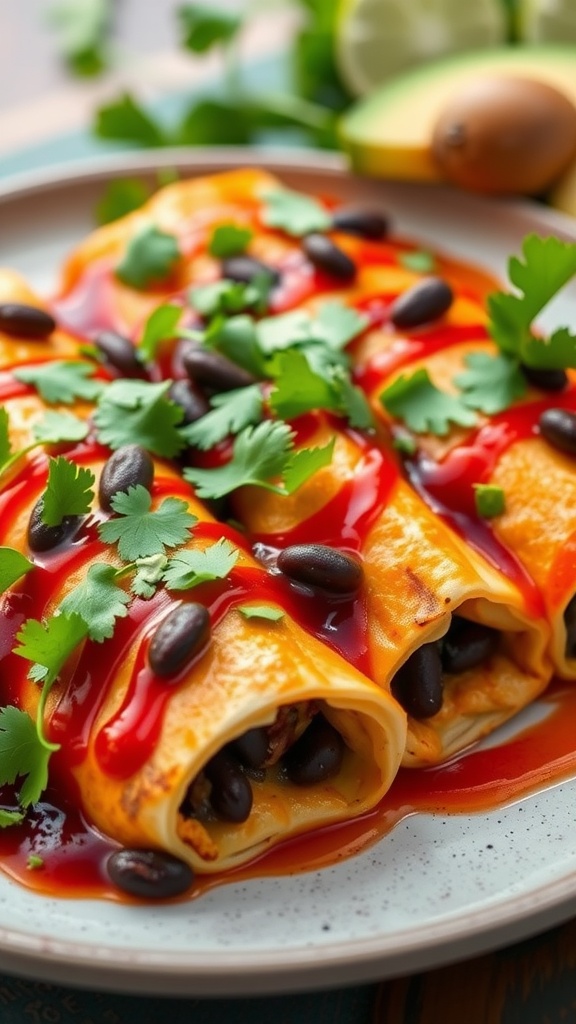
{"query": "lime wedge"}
pixel 377 39
pixel 547 21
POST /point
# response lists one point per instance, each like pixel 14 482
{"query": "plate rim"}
pixel 455 936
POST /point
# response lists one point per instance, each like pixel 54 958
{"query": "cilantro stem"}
pixel 40 719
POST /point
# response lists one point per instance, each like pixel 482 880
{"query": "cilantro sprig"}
pixel 137 412
pixel 150 257
pixel 140 531
pixel 68 491
pixel 423 407
pixel 61 381
pixel 191 567
pixel 260 454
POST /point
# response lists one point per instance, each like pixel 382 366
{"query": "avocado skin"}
pixel 389 134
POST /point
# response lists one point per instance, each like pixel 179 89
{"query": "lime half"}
pixel 551 21
pixel 377 39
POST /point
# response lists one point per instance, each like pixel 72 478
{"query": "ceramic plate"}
pixel 436 889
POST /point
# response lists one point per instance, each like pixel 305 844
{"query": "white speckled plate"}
pixel 436 889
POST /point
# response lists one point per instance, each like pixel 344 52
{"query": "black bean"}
pixel 231 795
pixel 192 402
pixel 359 221
pixel 545 380
pixel 245 269
pixel 321 566
pixel 42 537
pixel 417 686
pixel 21 321
pixel 428 300
pixel 181 635
pixel 558 427
pixel 327 256
pixel 467 644
pixel 251 748
pixel 151 874
pixel 317 755
pixel 127 467
pixel 119 352
pixel 214 371
pixel 570 623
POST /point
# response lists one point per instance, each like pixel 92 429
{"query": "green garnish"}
pixel 125 119
pixel 148 575
pixel 260 611
pixel 24 748
pixel 231 412
pixel 421 261
pixel 57 427
pixel 22 754
pixel 68 491
pixel 34 862
pixel 405 444
pixel 491 383
pixel 160 325
pixel 226 297
pixel 189 568
pixel 121 196
pixel 141 532
pixel 229 240
pixel 490 500
pixel 8 818
pixel 293 212
pixel 260 453
pixel 202 27
pixel 423 407
pixel 13 565
pixel 82 27
pixel 136 412
pixel 61 381
pixel 151 256
pixel 99 600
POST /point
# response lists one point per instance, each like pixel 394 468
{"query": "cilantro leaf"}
pixel 334 326
pixel 99 600
pixel 150 257
pixel 140 532
pixel 489 499
pixel 231 412
pixel 235 337
pixel 126 120
pixel 82 28
pixel 189 568
pixel 8 818
pixel 160 325
pixel 228 297
pixel 557 352
pixel 57 427
pixel 492 383
pixel 293 212
pixel 68 491
pixel 548 265
pixel 148 575
pixel 353 402
pixel 49 645
pixel 5 446
pixel 297 388
pixel 423 407
pixel 421 261
pixel 136 412
pixel 229 240
pixel 261 611
pixel 337 324
pixel 303 463
pixel 22 754
pixel 259 453
pixel 121 196
pixel 202 27
pixel 13 565
pixel 34 862
pixel 61 381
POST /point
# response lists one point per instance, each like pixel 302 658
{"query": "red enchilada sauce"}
pixel 73 853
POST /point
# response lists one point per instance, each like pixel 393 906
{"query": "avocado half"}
pixel 389 134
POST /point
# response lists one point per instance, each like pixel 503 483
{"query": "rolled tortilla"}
pixel 136 743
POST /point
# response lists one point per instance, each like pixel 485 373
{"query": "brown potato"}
pixel 505 135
